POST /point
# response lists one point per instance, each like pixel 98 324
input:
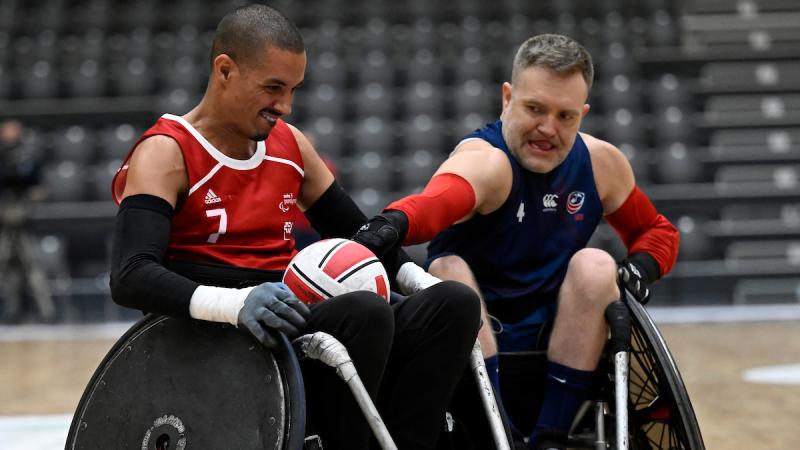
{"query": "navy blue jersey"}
pixel 522 249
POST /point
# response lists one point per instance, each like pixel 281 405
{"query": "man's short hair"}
pixel 556 52
pixel 249 29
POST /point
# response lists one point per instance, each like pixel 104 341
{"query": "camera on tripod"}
pixel 19 173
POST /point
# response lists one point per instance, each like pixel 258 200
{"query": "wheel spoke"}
pixel 659 412
pixel 655 422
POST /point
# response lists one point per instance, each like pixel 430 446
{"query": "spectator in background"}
pixel 20 165
pixel 19 259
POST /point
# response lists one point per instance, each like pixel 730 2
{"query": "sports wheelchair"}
pixel 659 413
pixel 179 384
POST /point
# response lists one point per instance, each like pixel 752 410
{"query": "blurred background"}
pixel 703 96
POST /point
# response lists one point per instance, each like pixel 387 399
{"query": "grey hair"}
pixel 556 52
pixel 248 29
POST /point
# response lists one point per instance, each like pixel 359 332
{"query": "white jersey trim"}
pixel 238 164
pixel 286 161
pixel 464 141
pixel 208 176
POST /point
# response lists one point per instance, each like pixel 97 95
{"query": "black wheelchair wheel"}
pixel 660 413
pixel 179 383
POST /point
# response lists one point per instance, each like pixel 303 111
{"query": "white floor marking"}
pixel 34 432
pixel 782 374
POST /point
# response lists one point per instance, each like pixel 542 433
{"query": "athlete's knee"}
pixel 450 267
pixel 592 265
pixel 456 302
pixel 592 273
pixel 369 305
pixel 365 315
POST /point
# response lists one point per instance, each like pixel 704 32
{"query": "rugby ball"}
pixel 334 267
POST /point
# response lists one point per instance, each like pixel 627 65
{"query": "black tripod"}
pixel 18 246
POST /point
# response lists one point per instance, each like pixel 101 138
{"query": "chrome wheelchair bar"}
pixel 619 323
pixel 328 350
pixel 621 389
pixel 600 424
pixel 488 399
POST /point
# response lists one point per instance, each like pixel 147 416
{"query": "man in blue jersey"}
pixel 510 213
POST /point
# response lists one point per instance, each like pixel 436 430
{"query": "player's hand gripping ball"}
pixel 334 267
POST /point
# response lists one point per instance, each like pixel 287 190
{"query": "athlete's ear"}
pixel 585 111
pixel 506 94
pixel 223 67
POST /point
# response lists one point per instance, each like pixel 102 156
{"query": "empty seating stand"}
pixel 747 146
pixel 751 76
pixel 741 62
pixel 741 26
pixel 391 87
pixel 752 110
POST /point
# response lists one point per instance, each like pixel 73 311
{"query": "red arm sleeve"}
pixel 447 198
pixel 643 229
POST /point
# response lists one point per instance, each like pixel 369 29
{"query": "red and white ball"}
pixel 334 267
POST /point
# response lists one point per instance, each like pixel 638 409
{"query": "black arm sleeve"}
pixel 138 277
pixel 335 214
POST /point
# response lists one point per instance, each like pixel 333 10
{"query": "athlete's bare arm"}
pixel 613 174
pixel 317 177
pixel 486 169
pixel 652 241
pixel 157 168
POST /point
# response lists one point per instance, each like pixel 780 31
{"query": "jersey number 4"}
pixel 223 224
pixel 521 211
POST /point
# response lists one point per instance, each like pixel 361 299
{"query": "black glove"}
pixel 269 308
pixel 636 273
pixel 383 232
pixel 631 279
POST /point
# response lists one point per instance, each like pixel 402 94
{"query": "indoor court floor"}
pixel 742 373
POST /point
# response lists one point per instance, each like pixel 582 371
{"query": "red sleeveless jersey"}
pixel 237 212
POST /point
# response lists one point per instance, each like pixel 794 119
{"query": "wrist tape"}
pixel 216 304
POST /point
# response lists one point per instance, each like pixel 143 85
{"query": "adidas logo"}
pixel 211 197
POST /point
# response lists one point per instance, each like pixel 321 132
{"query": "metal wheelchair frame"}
pixel 642 398
pixel 641 402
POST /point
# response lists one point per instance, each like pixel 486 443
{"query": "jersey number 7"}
pixel 223 224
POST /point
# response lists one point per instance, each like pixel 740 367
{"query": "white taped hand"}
pixel 411 279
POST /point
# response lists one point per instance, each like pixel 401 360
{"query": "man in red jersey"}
pixel 207 205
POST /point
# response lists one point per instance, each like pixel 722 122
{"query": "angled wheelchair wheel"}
pixel 172 383
pixel 660 413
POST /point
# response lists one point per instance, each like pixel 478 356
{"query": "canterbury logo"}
pixel 549 200
pixel 211 198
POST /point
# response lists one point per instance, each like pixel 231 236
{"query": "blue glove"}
pixel 270 307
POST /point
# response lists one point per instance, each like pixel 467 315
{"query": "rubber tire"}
pixel 646 336
pixel 290 376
